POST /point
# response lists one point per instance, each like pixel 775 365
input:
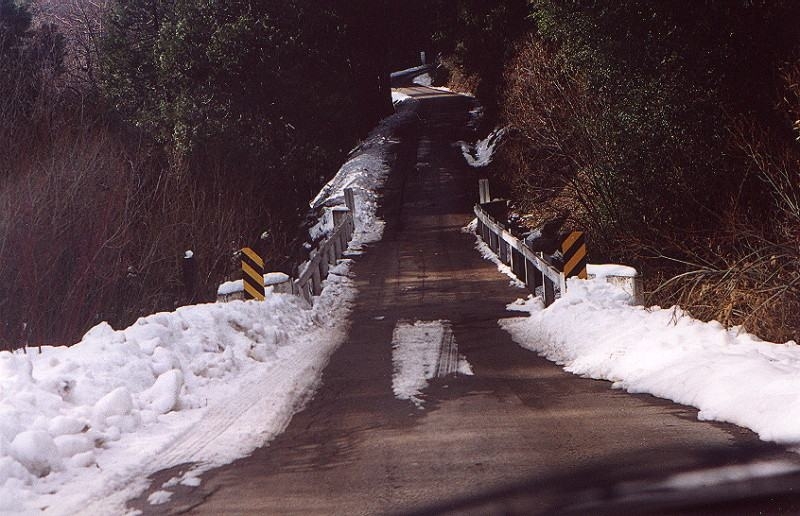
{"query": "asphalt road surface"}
pixel 357 449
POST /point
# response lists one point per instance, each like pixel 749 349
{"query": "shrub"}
pixel 654 126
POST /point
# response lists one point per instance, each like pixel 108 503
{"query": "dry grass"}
pixel 748 272
pixel 95 224
pixel 458 79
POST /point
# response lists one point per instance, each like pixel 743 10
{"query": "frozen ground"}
pixel 82 427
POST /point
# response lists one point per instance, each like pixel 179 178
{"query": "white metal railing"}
pixel 530 267
pixel 313 272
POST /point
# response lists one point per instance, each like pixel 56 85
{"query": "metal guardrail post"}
pixel 339 215
pixel 316 281
pixel 331 252
pixel 518 265
pixel 533 276
pixel 350 201
pixel 483 191
pixel 549 292
pixel 324 265
pixel 528 266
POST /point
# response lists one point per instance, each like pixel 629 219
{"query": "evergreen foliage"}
pixel 214 122
pixel 246 77
pixel 670 76
pixel 27 57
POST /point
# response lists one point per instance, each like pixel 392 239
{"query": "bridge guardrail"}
pixel 313 272
pixel 532 268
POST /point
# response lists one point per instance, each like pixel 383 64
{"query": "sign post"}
pixel 573 248
pixel 252 274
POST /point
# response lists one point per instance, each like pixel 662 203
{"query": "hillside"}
pixel 667 131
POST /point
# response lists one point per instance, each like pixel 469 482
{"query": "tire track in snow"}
pixel 261 402
pixel 421 351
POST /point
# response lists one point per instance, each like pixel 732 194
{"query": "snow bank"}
pixel 424 79
pixel 69 413
pixel 481 153
pixel 365 172
pixel 270 280
pixel 729 375
pixel 398 97
pixel 611 269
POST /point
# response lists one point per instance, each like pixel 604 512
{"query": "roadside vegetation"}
pixel 132 131
pixel 667 130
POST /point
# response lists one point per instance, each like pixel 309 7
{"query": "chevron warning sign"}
pixel 573 248
pixel 252 275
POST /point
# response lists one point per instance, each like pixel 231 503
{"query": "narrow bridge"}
pixel 359 447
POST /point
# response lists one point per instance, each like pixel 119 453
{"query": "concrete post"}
pixel 350 201
pixel 339 214
pixel 483 191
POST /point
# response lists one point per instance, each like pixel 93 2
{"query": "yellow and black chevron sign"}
pixel 573 248
pixel 252 274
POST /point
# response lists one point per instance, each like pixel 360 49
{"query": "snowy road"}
pixel 370 443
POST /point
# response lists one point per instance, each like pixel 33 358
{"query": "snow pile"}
pixel 421 351
pixel 365 172
pixel 424 79
pixel 82 427
pixel 729 375
pixel 69 414
pixel 481 153
pixel 611 269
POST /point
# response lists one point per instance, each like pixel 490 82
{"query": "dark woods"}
pixel 668 130
pixel 134 130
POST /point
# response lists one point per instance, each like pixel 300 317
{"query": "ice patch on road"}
pixel 727 475
pixel 421 351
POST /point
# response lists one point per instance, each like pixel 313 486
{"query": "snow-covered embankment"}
pixel 81 427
